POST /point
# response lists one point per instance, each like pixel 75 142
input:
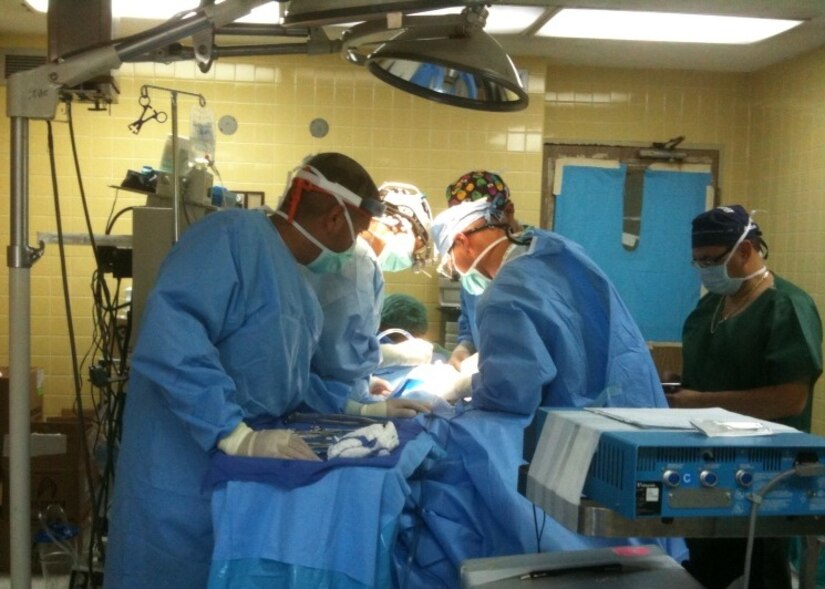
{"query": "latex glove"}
pixel 266 443
pixel 460 388
pixel 407 353
pixel 390 408
pixel 462 351
pixel 379 386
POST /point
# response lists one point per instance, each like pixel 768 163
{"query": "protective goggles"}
pixel 310 179
pixel 446 266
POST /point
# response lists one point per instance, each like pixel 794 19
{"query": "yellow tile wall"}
pixel 395 135
pixel 768 127
pixel 787 175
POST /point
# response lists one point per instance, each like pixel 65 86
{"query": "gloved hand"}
pixel 461 352
pixel 389 408
pixel 379 386
pixel 266 443
pixel 411 352
pixel 461 387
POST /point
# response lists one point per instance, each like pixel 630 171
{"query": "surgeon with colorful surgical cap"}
pixel 473 186
pixel 398 239
pixel 552 328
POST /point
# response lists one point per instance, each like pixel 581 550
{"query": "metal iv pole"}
pixel 34 94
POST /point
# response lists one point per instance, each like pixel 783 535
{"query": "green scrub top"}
pixel 777 339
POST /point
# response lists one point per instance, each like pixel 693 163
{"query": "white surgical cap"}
pixel 408 199
pixel 456 219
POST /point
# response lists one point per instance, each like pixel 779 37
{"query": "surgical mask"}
pixel 716 278
pixel 397 253
pixel 328 261
pixel 473 281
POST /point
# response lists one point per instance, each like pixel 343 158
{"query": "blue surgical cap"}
pixel 456 219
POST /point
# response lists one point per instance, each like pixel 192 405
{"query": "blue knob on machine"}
pixel 671 478
pixel 708 478
pixel 744 478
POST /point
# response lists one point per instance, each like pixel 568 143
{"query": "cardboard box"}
pixel 668 359
pixel 36 378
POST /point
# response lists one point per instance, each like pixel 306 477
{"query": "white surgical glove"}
pixel 462 351
pixel 388 408
pixel 458 389
pixel 379 386
pixel 266 443
pixel 411 352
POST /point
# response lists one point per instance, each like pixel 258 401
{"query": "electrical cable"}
pixel 804 469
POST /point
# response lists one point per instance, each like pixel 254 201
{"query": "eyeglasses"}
pixel 446 267
pixel 714 261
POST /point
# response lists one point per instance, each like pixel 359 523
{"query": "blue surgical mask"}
pixel 397 253
pixel 473 281
pixel 328 261
pixel 716 278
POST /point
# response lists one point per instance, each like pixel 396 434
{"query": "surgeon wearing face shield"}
pixel 752 345
pixel 226 339
pixel 352 297
pixel 553 330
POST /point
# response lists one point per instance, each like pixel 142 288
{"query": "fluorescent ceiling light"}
pixel 501 20
pixel 268 13
pixel 629 25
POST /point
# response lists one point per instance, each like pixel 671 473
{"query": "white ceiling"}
pixel 19 19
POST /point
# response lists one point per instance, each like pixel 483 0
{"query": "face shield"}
pixel 307 178
pixel 408 212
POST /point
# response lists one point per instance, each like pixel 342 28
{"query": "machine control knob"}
pixel 671 478
pixel 708 478
pixel 744 478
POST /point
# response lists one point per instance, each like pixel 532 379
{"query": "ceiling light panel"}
pixel 501 20
pixel 160 10
pixel 662 26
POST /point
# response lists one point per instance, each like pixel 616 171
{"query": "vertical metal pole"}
pixel 19 264
pixel 175 171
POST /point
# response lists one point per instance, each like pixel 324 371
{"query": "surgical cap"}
pixel 407 196
pixel 722 226
pixel 456 219
pixel 476 185
pixel 404 312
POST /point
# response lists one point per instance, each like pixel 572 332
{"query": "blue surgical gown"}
pixel 467 327
pixel 351 300
pixel 227 334
pixel 553 332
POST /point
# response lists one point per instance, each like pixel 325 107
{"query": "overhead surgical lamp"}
pixel 470 71
pixel 448 59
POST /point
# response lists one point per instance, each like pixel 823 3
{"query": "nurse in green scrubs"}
pixel 753 345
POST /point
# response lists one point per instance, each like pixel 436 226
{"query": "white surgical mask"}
pixel 716 278
pixel 473 281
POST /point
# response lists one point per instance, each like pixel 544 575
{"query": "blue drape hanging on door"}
pixel 656 280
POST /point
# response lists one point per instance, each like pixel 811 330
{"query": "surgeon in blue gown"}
pixel 472 186
pixel 348 350
pixel 226 337
pixel 553 332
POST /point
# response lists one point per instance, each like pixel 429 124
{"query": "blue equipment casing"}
pixel 654 473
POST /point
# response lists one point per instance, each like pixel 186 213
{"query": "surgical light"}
pixel 470 71
pixel 629 25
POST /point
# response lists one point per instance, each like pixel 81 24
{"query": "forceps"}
pixel 148 114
